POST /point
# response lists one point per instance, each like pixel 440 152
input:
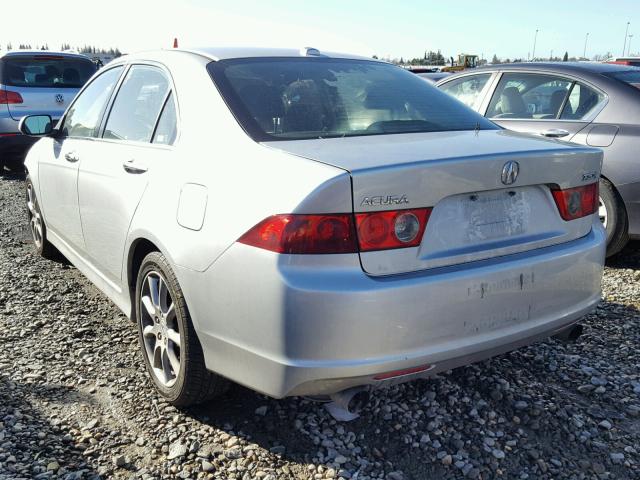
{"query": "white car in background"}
pixel 303 222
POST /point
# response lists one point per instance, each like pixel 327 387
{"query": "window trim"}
pixel 571 78
pixel 98 74
pixel 107 112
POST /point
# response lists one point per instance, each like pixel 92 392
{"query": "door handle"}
pixel 71 157
pixel 131 167
pixel 555 133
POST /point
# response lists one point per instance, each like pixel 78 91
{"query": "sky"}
pixel 384 28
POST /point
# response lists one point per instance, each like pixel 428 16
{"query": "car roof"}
pixel 224 53
pixel 568 67
pixel 17 53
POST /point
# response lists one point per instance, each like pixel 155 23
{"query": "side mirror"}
pixel 36 125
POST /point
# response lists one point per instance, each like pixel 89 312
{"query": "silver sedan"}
pixel 303 222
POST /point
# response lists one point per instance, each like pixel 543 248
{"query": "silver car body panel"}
pixel 303 324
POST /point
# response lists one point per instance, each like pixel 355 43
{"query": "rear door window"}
pixel 46 71
pixel 167 127
pixel 582 101
pixel 138 103
pixel 468 88
pixel 84 116
pixel 529 96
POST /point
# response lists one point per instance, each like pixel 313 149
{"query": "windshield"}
pixel 631 77
pixel 46 71
pixel 304 98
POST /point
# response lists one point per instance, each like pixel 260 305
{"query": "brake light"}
pixel 306 234
pixel 576 202
pixel 9 97
pixel 391 229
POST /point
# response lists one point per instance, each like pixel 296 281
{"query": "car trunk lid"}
pixel 475 215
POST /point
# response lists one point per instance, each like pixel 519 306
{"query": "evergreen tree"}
pixel 566 57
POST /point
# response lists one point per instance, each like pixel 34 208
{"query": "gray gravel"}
pixel 75 401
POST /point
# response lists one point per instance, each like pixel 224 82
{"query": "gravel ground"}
pixel 75 401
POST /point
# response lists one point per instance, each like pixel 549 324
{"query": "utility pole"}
pixel 533 53
pixel 584 54
pixel 624 47
pixel 629 46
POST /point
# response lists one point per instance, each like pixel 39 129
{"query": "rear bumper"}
pixel 301 325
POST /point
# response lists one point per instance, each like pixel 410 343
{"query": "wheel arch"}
pixel 140 247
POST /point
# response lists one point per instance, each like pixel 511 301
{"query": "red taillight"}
pixel 9 97
pixel 576 202
pixel 331 233
pixel 393 229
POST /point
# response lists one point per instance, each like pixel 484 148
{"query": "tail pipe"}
pixel 570 334
pixel 353 400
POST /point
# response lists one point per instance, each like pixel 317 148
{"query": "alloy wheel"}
pixel 602 212
pixel 35 219
pixel 160 328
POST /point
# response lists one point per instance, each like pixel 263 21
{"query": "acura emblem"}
pixel 59 98
pixel 510 172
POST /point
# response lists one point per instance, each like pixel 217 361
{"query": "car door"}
pixel 58 168
pixel 545 104
pixel 113 178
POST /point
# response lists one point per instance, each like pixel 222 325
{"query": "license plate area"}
pixel 495 215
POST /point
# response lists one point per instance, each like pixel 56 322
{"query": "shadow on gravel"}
pixel 33 445
pixel 12 175
pixel 236 411
pixel 629 257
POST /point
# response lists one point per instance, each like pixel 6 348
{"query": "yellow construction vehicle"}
pixel 464 61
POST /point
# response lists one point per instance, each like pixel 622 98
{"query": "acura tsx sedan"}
pixel 304 223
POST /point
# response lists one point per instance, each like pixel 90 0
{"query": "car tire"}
pixel 167 339
pixel 614 217
pixel 36 223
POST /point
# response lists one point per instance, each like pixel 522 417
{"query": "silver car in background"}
pixel 590 103
pixel 35 82
pixel 303 223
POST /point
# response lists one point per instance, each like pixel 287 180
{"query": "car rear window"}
pixel 631 77
pixel 46 71
pixel 304 98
